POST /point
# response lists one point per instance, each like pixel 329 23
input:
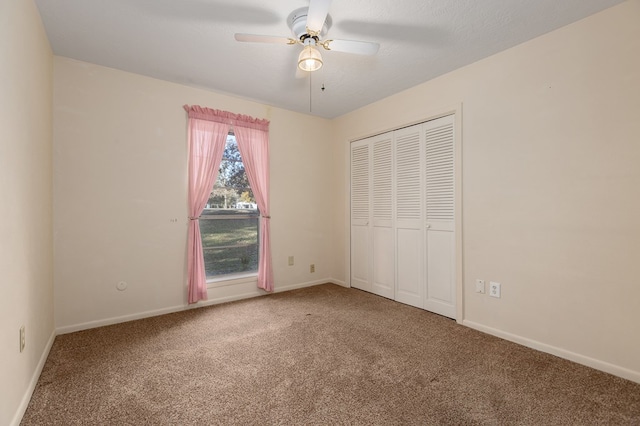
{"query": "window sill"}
pixel 234 279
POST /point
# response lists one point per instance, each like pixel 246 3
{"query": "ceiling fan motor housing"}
pixel 297 21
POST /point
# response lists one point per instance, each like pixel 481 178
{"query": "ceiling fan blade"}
pixel 349 46
pixel 252 38
pixel 318 11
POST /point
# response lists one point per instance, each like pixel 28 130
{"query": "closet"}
pixel 403 215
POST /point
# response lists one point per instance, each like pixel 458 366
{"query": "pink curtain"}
pixel 208 129
pixel 207 140
pixel 253 143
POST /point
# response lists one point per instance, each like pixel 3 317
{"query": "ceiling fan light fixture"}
pixel 309 59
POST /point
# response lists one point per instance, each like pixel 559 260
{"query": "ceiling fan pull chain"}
pixel 310 75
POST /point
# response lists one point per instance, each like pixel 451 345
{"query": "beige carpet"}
pixel 321 355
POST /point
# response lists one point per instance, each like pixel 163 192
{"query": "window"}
pixel 229 222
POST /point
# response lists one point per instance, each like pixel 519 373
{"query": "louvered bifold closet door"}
pixel 360 215
pixel 383 240
pixel 439 190
pixel 409 220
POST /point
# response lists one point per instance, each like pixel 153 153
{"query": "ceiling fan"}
pixel 309 27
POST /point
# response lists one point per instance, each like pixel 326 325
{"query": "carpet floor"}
pixel 316 356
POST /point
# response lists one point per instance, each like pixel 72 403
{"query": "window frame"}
pixel 234 278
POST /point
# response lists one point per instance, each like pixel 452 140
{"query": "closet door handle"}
pixel 428 226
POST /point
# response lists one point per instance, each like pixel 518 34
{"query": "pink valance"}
pixel 226 117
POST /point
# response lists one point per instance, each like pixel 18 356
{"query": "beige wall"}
pixel 551 180
pixel 120 178
pixel 26 271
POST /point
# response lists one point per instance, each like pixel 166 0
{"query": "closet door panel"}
pixel 382 196
pixel 440 277
pixel 409 216
pixel 383 262
pixel 360 215
pixel 360 258
pixel 439 188
pixel 382 173
pixel 408 178
pixel 409 287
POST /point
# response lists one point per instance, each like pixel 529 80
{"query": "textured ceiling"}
pixel 192 42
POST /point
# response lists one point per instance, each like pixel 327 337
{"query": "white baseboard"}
pixel 117 320
pixel 616 370
pixel 257 292
pixel 22 408
pixel 212 301
pixel 279 289
pixel 338 282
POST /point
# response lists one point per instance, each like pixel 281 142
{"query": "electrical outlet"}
pixel 312 268
pixel 290 260
pixel 22 339
pixel 480 286
pixel 494 289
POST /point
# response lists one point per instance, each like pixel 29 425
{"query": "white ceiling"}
pixel 192 42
